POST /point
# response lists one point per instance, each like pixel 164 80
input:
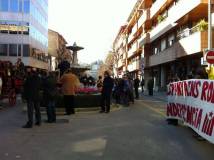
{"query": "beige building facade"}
pixel 166 39
pixel 57 49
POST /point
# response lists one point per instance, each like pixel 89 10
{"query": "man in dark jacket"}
pixel 50 93
pixel 136 86
pixel 32 87
pixel 108 84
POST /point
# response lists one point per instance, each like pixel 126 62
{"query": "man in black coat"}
pixel 108 84
pixel 32 87
pixel 136 86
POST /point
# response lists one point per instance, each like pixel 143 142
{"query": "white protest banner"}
pixel 192 101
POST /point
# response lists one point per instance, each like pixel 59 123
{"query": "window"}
pixel 156 50
pixel 20 5
pixel 26 50
pixel 3 27
pixel 26 6
pixel 3 49
pixel 12 49
pixel 163 44
pixel 171 40
pixel 19 50
pixel 4 4
pixel 14 6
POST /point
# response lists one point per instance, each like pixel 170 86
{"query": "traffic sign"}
pixel 210 57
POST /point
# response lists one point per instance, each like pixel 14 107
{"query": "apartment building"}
pixel 167 39
pixel 24 32
pixel 120 52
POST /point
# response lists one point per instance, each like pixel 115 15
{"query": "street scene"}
pixel 136 132
pixel 107 80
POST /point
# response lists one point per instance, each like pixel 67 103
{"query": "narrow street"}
pixel 132 133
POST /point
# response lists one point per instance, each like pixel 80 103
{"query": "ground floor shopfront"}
pixel 183 68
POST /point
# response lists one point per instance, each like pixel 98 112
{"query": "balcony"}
pixel 174 14
pixel 144 17
pixel 120 63
pixel 156 7
pixel 181 48
pixel 145 38
pixel 134 66
pixel 132 50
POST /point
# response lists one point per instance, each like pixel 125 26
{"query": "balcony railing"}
pixel 145 38
pixel 132 50
pixel 187 32
pixel 182 47
pixel 134 66
pixel 144 17
pixel 174 14
pixel 156 6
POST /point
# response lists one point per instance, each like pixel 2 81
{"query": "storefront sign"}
pixel 192 101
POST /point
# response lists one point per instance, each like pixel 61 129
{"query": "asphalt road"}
pixel 138 132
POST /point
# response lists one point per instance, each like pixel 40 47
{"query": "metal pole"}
pixel 209 26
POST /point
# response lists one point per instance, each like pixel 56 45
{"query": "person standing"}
pixel 99 83
pixel 131 89
pixel 210 72
pixel 136 86
pixel 70 83
pixel 32 86
pixel 142 85
pixel 151 86
pixel 50 92
pixel 108 84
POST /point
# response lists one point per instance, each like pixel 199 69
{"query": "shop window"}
pixel 3 27
pixel 3 49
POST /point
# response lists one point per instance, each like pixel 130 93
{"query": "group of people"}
pixel 47 86
pixel 123 90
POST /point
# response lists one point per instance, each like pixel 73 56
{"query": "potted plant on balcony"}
pixel 202 25
pixel 160 18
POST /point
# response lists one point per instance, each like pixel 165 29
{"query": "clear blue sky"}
pixel 93 24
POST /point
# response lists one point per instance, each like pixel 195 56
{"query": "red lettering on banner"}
pixel 208 124
pixel 204 91
pixel 198 120
pixel 208 92
pixel 185 88
pixel 189 114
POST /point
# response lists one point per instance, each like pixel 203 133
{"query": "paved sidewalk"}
pixel 161 96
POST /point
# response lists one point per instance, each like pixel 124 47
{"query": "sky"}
pixel 93 24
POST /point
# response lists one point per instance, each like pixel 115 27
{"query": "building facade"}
pixel 120 53
pixel 57 49
pixel 166 39
pixel 24 32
